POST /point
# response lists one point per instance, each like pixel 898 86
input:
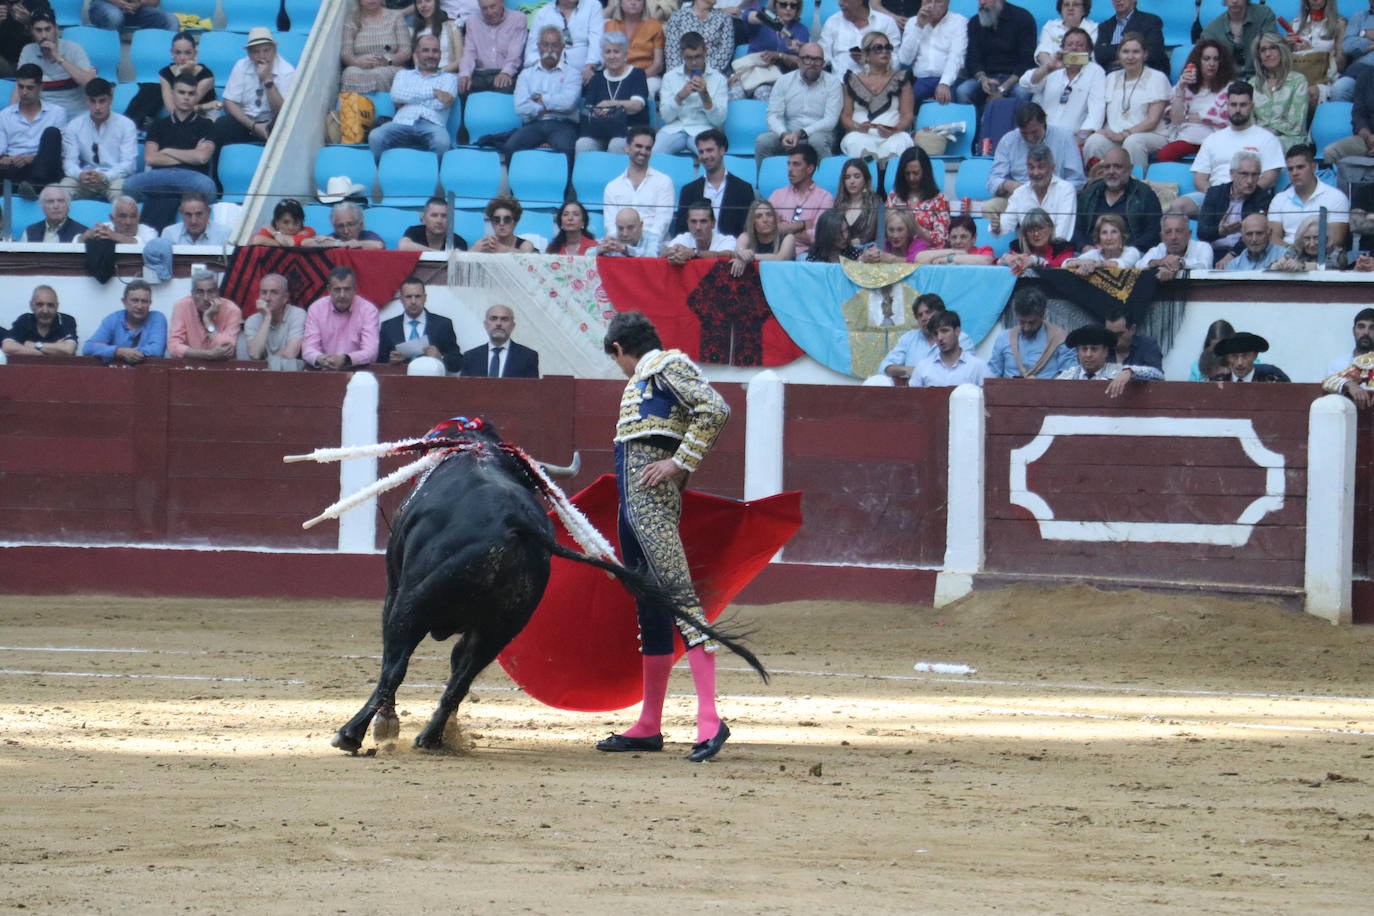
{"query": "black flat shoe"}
pixel 624 743
pixel 705 750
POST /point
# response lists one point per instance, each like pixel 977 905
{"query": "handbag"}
pixel 606 123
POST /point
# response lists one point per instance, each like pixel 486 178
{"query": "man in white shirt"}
pixel 631 239
pixel 31 132
pixel 1306 198
pixel 951 364
pixel 842 34
pixel 804 107
pixel 693 98
pixel 646 189
pixel 255 93
pixel 1213 162
pixel 1070 86
pixel 548 97
pixel 123 227
pixel 98 147
pixel 933 46
pixel 1179 251
pixel 1043 190
pixel 701 240
pixel 423 99
pixel 196 227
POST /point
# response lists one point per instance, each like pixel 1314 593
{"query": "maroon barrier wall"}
pixel 1153 479
pixel 871 465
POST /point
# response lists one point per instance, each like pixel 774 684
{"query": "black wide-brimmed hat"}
pixel 1243 342
pixel 1091 334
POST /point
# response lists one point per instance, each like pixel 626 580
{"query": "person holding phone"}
pixel 1070 85
pixel 1198 106
pixel 693 98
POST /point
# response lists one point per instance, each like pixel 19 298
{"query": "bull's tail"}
pixel 648 589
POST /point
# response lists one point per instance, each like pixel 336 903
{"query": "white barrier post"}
pixel 358 426
pixel 965 504
pixel 763 436
pixel 1330 508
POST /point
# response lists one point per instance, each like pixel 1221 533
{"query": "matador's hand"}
pixel 656 473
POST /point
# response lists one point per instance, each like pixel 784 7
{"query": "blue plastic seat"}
pixel 102 47
pixel 291 45
pixel 1178 22
pixel 382 105
pixel 538 178
pixel 596 224
pixel 1211 9
pixel 23 213
pixel 123 94
pixel 592 171
pixel 220 51
pixel 1331 122
pixel 205 9
pixel 1178 172
pixel 828 172
pixel 317 218
pixel 238 162
pixel 302 13
pixel 352 161
pixel 1000 244
pixel 828 8
pixel 972 179
pixel 932 114
pixel 681 169
pixel 90 212
pixel 473 176
pixel 68 12
pixel 470 224
pixel 150 50
pixel 742 167
pixel 242 15
pixel 772 175
pixel 745 119
pixel 407 177
pixel 489 113
pixel 391 223
pixel 1178 58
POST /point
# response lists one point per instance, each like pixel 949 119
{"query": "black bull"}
pixel 469 553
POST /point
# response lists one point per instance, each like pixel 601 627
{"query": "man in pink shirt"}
pixel 204 326
pixel 802 200
pixel 493 51
pixel 341 329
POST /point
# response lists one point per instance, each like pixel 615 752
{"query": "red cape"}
pixel 580 650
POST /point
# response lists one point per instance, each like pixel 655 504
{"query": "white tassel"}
pixel 579 526
pixel 381 449
pixel 390 481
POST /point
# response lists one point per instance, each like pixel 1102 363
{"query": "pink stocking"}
pixel 656 670
pixel 703 666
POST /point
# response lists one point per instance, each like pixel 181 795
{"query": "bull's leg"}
pixel 471 655
pixel 397 648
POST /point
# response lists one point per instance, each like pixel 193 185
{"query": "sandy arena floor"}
pixel 1113 753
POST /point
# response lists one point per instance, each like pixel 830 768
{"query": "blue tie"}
pixel 414 329
pixel 494 371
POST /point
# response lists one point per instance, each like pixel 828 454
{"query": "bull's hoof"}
pixel 346 742
pixel 386 728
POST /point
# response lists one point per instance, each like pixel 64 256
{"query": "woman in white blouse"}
pixel 1073 14
pixel 1109 237
pixel 1070 85
pixel 1136 95
pixel 581 22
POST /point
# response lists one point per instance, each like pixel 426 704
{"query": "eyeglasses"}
pixel 879 49
pixel 500 218
pixel 784 5
pixel 811 59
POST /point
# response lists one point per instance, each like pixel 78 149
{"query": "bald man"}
pixel 500 357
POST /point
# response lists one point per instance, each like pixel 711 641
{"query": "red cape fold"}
pixel 660 290
pixel 580 650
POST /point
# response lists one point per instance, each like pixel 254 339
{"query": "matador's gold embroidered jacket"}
pixel 669 397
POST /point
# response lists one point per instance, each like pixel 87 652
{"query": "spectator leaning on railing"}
pixel 133 333
pixel 44 330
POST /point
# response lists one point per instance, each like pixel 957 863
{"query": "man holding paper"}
pixel 418 331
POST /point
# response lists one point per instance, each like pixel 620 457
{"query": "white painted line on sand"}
pixel 153 677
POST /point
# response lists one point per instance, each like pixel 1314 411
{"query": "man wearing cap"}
pixel 66 68
pixel 255 93
pixel 98 147
pixel 1092 343
pixel 1240 351
pixel 177 152
pixel 1354 374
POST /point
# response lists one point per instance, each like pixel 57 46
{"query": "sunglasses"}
pixel 879 49
pixel 1064 96
pixel 503 218
pixel 788 6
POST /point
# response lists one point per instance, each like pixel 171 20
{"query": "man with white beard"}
pixel 1001 47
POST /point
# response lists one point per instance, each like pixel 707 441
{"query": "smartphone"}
pixel 696 72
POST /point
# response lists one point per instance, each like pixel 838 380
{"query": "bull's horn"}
pixel 563 473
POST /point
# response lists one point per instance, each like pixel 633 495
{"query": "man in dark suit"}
pixel 501 357
pixel 416 322
pixel 1130 19
pixel 56 225
pixel 730 195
